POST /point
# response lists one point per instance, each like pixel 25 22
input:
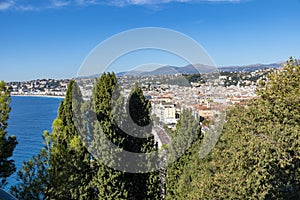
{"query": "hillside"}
pixel 199 68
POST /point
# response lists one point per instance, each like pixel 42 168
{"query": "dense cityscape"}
pixel 168 94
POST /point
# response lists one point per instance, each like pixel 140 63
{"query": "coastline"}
pixel 37 95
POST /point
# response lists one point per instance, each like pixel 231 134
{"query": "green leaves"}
pixel 62 170
pixel 257 156
pixel 122 123
pixel 7 143
pixel 185 146
pixel 34 177
pixel 69 162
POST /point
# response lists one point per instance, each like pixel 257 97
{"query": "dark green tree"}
pixel 142 185
pixel 7 143
pixel 69 165
pixel 122 127
pixel 108 181
pixel 183 149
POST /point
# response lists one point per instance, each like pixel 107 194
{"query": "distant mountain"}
pixel 189 69
pixel 162 71
pixel 249 68
pixel 198 68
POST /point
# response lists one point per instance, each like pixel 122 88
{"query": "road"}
pixel 160 135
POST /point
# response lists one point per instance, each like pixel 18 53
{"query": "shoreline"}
pixel 37 95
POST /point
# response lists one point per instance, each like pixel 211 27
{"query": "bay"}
pixel 28 119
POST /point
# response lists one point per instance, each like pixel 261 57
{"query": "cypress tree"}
pixel 109 182
pixel 144 184
pixel 69 164
pixel 113 124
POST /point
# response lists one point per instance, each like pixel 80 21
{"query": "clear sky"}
pixel 51 38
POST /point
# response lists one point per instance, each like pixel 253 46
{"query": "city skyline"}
pixel 52 39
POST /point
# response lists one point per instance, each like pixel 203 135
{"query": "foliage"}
pixel 143 185
pixel 34 175
pixel 62 168
pixel 184 146
pixel 109 182
pixel 114 123
pixel 195 78
pixel 257 156
pixel 69 164
pixel 7 143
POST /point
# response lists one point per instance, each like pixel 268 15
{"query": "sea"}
pixel 28 119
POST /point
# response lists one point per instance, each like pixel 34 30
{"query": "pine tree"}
pixel 7 143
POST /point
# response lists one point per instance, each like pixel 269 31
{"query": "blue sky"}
pixel 51 38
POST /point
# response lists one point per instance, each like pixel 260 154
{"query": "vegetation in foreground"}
pixel 7 143
pixel 256 157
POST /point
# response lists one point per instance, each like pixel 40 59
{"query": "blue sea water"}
pixel 28 119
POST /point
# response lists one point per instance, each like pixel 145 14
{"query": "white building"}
pixel 166 112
